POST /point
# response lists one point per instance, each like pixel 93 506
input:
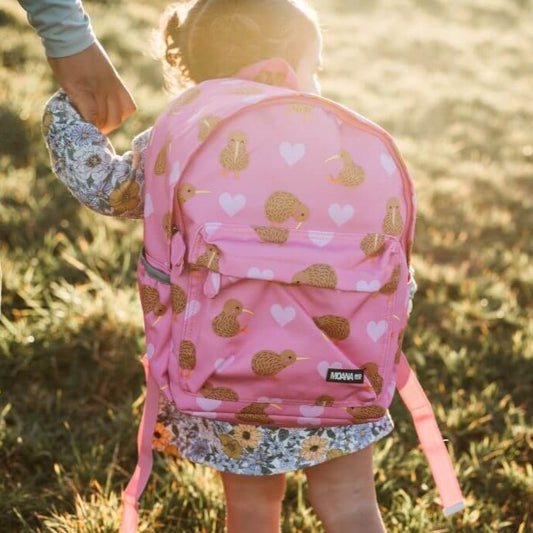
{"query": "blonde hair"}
pixel 210 39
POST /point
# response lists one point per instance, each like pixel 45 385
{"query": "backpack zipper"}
pixel 340 111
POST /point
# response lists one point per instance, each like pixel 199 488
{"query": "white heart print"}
pixel 311 411
pixel 196 117
pixel 368 286
pixel 305 421
pixel 341 214
pixel 391 388
pixel 212 227
pixel 174 173
pixel 150 350
pixel 388 163
pixel 215 281
pixel 320 238
pixel 282 315
pixel 191 309
pixel 323 367
pixel 231 204
pixel 148 206
pixel 207 404
pixel 222 363
pixel 292 153
pixel 257 273
pixel 204 414
pixel 266 399
pixel 376 329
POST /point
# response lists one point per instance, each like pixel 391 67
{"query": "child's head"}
pixel 217 38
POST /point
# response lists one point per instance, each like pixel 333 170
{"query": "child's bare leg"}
pixel 253 503
pixel 343 495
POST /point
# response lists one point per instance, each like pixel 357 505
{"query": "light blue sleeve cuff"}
pixel 63 25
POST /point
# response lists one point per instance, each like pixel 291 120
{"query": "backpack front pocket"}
pixel 306 318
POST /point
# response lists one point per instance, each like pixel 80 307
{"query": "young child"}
pixel 217 39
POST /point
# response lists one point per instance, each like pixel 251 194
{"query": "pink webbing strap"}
pixel 430 438
pixel 130 496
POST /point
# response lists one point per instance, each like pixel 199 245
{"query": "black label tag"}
pixel 345 375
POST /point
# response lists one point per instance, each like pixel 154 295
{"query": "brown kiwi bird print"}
pixel 210 258
pixel 334 327
pixel 271 234
pixel 267 363
pixel 247 91
pixel 393 221
pixel 392 285
pixel 302 109
pixel 373 244
pixel 363 413
pixel 186 191
pixel 219 393
pixel 350 175
pixel 206 126
pixel 317 275
pixel 160 167
pixel 184 99
pixel 168 226
pixel 398 354
pixel 151 302
pixel 372 374
pixel 271 77
pixel 178 299
pixel 325 400
pixel 281 206
pixel 255 414
pixel 187 358
pixel 235 156
pixel 226 324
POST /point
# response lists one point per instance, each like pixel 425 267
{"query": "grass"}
pixel 452 82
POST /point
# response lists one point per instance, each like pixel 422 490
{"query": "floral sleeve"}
pixel 85 161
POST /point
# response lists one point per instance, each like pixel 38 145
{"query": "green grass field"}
pixel 453 82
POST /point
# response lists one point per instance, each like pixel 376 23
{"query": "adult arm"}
pixel 80 64
pixel 85 161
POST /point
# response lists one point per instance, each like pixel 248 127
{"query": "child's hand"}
pixel 94 87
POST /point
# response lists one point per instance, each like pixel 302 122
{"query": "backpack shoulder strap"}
pixel 132 493
pixel 430 438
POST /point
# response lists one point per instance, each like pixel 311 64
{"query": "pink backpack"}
pixel 274 277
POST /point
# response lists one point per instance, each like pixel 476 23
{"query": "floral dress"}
pixel 85 161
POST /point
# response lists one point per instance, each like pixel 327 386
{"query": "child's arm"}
pixel 85 161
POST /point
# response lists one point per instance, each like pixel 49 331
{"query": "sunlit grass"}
pixel 452 82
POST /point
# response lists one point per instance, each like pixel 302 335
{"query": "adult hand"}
pixel 94 87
